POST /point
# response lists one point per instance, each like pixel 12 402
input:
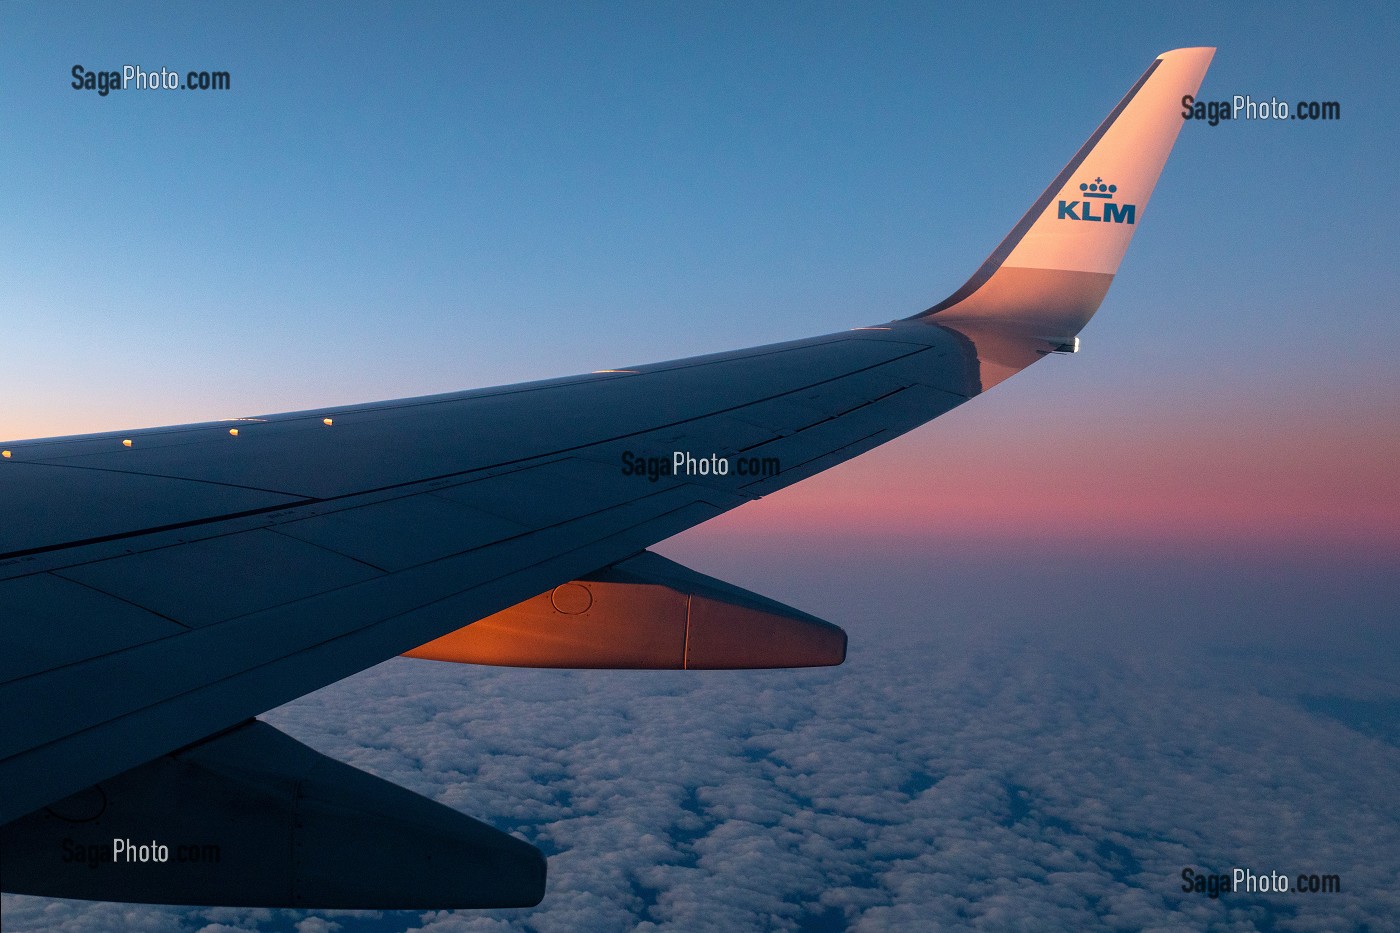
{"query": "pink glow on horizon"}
pixel 1273 474
pixel 1246 482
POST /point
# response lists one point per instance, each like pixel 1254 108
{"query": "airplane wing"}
pixel 160 588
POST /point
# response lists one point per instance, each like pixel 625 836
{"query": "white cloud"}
pixel 992 783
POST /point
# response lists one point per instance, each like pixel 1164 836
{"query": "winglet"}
pixel 1056 264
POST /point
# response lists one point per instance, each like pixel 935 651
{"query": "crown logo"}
pixel 1098 189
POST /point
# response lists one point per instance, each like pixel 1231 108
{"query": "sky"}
pixel 1200 511
pixel 432 197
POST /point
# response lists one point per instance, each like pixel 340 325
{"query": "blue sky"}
pixel 1182 540
pixel 426 197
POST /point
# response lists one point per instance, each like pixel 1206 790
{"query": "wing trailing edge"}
pixel 253 818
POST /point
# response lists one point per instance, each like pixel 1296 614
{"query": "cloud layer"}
pixel 941 778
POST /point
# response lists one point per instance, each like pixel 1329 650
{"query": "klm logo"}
pixel 1102 196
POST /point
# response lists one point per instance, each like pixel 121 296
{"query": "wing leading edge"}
pixel 159 587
